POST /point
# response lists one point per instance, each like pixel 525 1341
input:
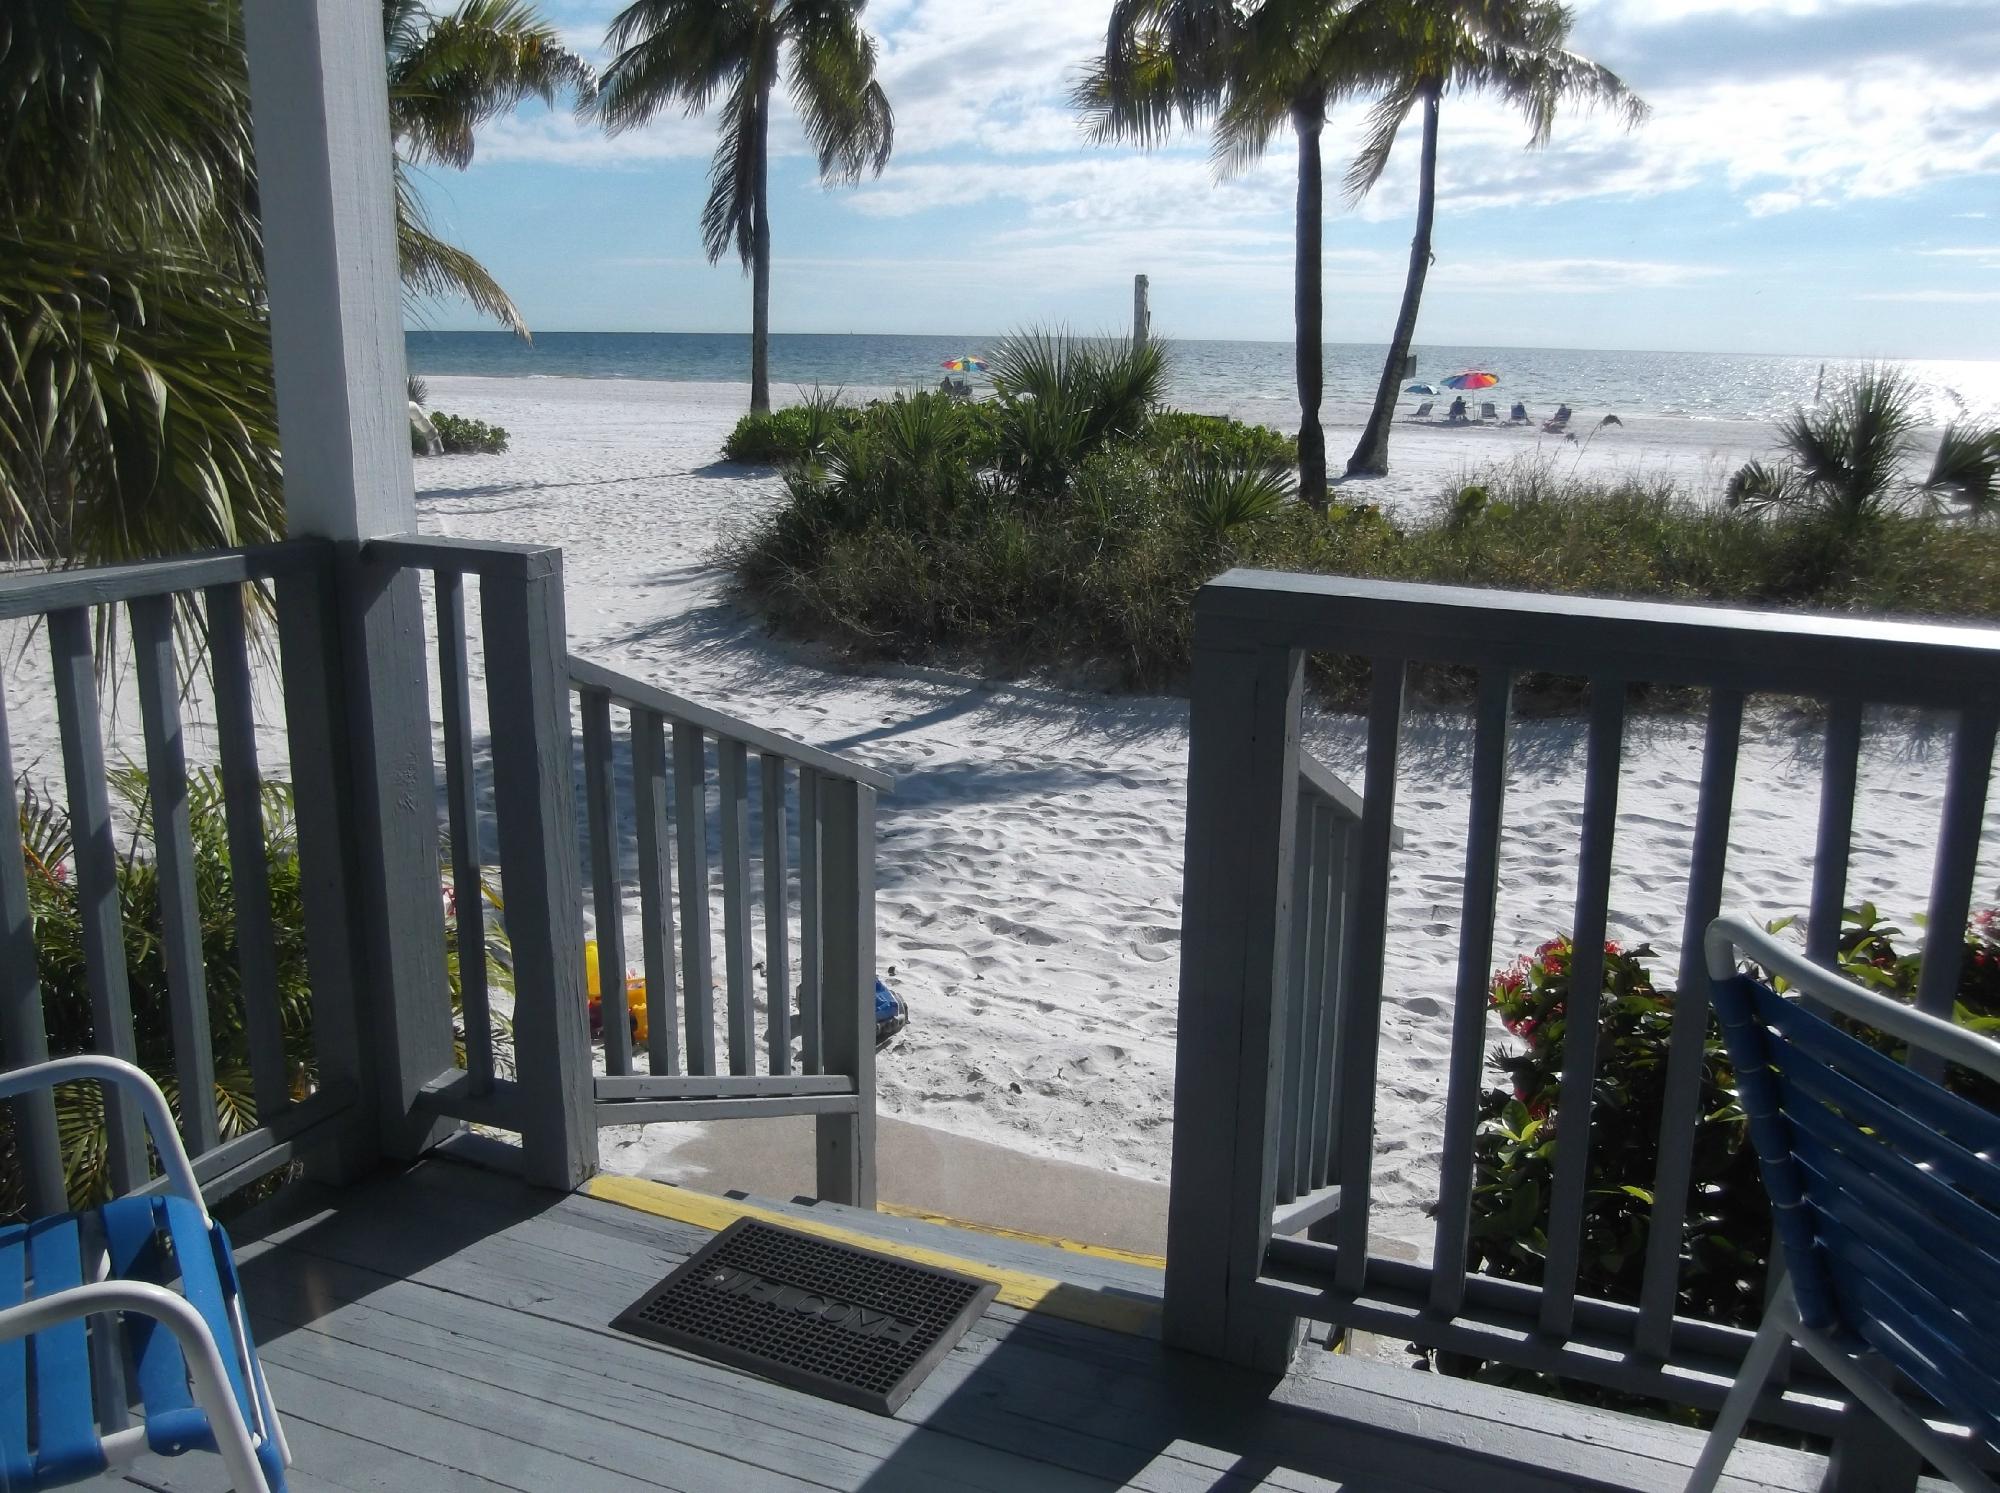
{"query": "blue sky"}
pixel 1818 177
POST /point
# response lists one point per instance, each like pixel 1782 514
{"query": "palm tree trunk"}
pixel 760 259
pixel 1371 452
pixel 1309 118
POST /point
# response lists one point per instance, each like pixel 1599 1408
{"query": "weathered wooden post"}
pixel 1142 313
pixel 535 802
pixel 1243 770
pixel 320 115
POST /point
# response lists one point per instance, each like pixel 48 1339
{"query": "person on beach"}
pixel 1457 414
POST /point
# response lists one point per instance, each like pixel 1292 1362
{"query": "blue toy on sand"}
pixel 892 1013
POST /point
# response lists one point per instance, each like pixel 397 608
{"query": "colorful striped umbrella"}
pixel 1472 381
pixel 966 364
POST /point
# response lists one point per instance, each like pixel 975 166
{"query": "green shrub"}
pixel 461 435
pixel 799 432
pixel 1230 442
pixel 60 964
pixel 1113 590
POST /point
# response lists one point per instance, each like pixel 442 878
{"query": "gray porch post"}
pixel 1243 769
pixel 320 112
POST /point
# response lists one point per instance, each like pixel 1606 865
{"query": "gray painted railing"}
pixel 350 634
pixel 1272 1108
pixel 178 616
pixel 670 744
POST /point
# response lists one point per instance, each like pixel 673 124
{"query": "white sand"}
pixel 1030 859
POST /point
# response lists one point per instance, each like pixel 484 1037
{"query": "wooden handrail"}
pixel 585 675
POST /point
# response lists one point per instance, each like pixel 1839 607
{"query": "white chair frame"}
pixel 235 1439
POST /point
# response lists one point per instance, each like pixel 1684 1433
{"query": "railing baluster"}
pixel 733 780
pixel 1294 1119
pixel 691 827
pixel 777 917
pixel 1344 868
pixel 1680 1110
pixel 845 1144
pixel 24 1037
pixel 601 815
pixel 173 863
pixel 461 796
pixel 249 865
pixel 96 854
pixel 1839 770
pixel 1361 994
pixel 1966 783
pixel 1579 1077
pixel 810 1048
pixel 656 889
pixel 1475 965
pixel 1315 1081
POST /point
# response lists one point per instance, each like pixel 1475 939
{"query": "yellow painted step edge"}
pixel 1034 1293
pixel 1047 1241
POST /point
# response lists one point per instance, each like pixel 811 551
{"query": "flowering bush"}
pixel 1727 1232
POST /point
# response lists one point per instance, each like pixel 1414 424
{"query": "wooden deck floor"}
pixel 446 1329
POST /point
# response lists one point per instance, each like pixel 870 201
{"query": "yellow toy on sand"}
pixel 635 996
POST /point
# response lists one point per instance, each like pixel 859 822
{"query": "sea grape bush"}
pixel 462 436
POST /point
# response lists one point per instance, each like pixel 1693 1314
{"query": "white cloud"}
pixel 1939 296
pixel 980 95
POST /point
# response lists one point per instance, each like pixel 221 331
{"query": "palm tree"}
pixel 1424 48
pixel 1249 71
pixel 449 74
pixel 1846 461
pixel 684 52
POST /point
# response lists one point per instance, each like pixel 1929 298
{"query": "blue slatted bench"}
pixel 1885 1196
pixel 155 1275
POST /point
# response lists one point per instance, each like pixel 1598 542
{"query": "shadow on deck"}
pixel 444 1328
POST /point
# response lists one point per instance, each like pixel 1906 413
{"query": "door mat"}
pixel 843 1323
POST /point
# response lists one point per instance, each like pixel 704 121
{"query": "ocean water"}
pixel 1251 379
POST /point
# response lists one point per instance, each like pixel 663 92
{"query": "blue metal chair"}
pixel 1885 1195
pixel 120 1265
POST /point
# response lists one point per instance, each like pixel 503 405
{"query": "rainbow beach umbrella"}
pixel 1472 381
pixel 966 364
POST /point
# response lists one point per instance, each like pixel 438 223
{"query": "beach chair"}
pixel 156 1275
pixel 1422 412
pixel 1558 421
pixel 1885 1192
pixel 1519 414
pixel 1488 411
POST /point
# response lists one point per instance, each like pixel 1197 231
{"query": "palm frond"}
pixel 846 115
pixel 1759 487
pixel 672 52
pixel 450 74
pixel 433 268
pixel 727 217
pixel 1966 471
pixel 130 116
pixel 136 414
pixel 1378 139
